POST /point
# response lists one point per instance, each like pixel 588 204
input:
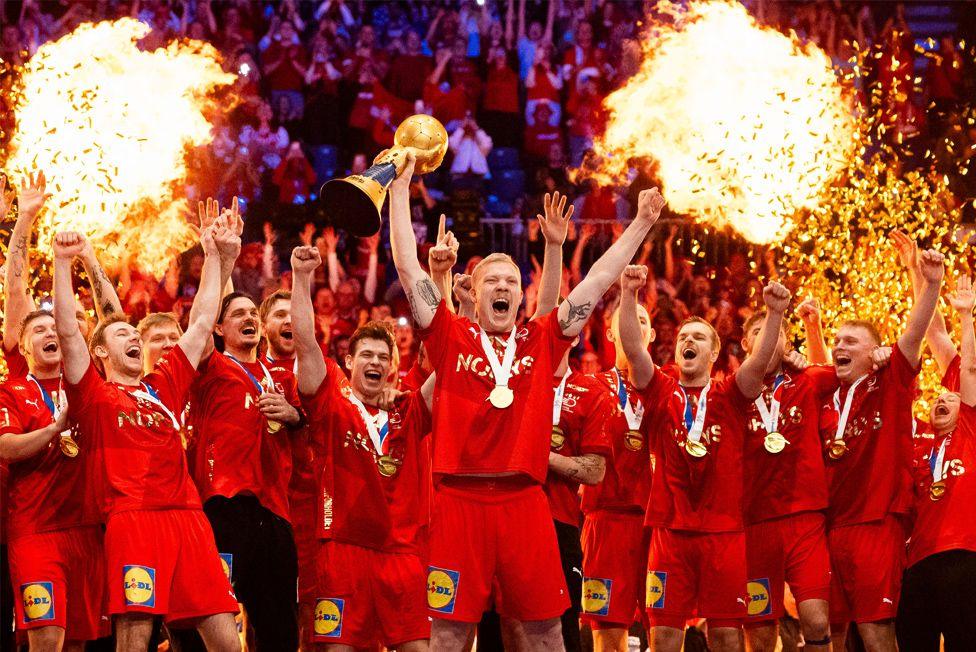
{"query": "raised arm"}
pixel 311 364
pixel 631 338
pixel 441 260
pixel 576 309
pixel 554 225
pixel 197 341
pixel 809 314
pixel 750 375
pixel 74 351
pixel 931 269
pixel 17 302
pixel 103 290
pixel 423 295
pixel 962 302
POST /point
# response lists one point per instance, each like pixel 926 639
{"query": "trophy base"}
pixel 350 208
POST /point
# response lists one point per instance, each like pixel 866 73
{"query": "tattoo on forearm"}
pixel 429 293
pixel 580 312
pixel 18 257
pixel 100 282
pixel 584 466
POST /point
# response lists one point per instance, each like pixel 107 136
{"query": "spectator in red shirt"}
pixel 541 135
pixel 409 71
pixel 500 105
pixel 294 176
pixel 285 62
pixel 587 118
pixel 542 86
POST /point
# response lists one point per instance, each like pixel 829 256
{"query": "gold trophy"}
pixel 354 203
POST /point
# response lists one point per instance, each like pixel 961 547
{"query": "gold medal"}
pixel 501 397
pixel 388 466
pixel 557 439
pixel 68 445
pixel 837 449
pixel 274 426
pixel 774 442
pixel 695 448
pixel 937 490
pixel 634 440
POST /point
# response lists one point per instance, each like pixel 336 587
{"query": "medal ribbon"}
pixel 695 419
pixel 633 415
pixel 937 460
pixel 379 434
pixel 294 366
pixel 501 370
pixel 770 414
pixel 257 384
pixel 842 419
pixel 151 395
pixel 54 408
pixel 557 404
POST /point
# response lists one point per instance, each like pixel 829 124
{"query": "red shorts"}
pixel 790 549
pixel 693 574
pixel 165 562
pixel 367 598
pixel 614 565
pixel 60 578
pixel 493 538
pixel 867 561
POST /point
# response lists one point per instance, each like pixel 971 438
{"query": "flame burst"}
pixel 109 124
pixel 747 124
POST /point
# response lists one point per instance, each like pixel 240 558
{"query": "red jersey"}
pixel 139 459
pixel 233 449
pixel 874 478
pixel 470 435
pixel 48 491
pixel 301 486
pixel 627 483
pixel 793 480
pixel 696 494
pixel 947 523
pixel 369 498
pixel 950 381
pixel 16 363
pixel 582 415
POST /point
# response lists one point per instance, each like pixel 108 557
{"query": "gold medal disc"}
pixel 69 446
pixel 501 397
pixel 695 448
pixel 388 466
pixel 557 439
pixel 774 443
pixel 634 440
pixel 838 449
pixel 937 490
pixel 274 426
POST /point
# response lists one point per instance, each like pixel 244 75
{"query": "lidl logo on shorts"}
pixel 758 602
pixel 442 587
pixel 139 583
pixel 656 583
pixel 38 601
pixel 328 617
pixel 596 596
pixel 227 563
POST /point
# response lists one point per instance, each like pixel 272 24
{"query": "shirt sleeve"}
pixel 822 378
pixel 900 371
pixel 10 419
pixel 559 343
pixel 172 379
pixel 950 381
pixel 85 395
pixel 437 335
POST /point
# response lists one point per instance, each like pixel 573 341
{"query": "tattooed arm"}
pixel 576 309
pixel 103 290
pixel 17 301
pixel 423 295
pixel 587 469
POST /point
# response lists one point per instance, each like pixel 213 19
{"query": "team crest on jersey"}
pixel 38 600
pixel 139 585
pixel 328 617
pixel 442 587
pixel 758 602
pixel 596 596
pixel 227 564
pixel 657 582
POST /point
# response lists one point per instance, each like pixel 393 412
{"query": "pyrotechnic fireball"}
pixel 747 124
pixel 109 124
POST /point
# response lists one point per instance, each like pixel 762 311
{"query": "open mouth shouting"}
pixel 689 353
pixel 50 347
pixel 942 410
pixel 842 360
pixel 286 335
pixel 373 375
pixel 134 352
pixel 249 329
pixel 500 306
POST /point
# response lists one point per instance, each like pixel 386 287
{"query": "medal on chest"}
pixel 837 448
pixel 633 414
pixel 694 421
pixel 378 428
pixel 774 442
pixel 501 395
pixel 66 443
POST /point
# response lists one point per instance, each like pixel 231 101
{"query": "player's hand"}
pixel 32 195
pixel 906 247
pixel 68 245
pixel 305 259
pixel 388 397
pixel 402 182
pixel 443 256
pixel 634 278
pixel 776 297
pixel 61 423
pixel 207 213
pixel 226 238
pixel 963 299
pixel 880 357
pixel 795 360
pixel 555 224
pixel 809 310
pixel 275 407
pixel 931 265
pixel 649 205
pixel 464 291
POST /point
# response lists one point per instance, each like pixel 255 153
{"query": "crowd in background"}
pixel 518 84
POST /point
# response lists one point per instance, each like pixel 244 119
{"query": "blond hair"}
pixel 479 269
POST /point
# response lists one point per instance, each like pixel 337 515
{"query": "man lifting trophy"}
pixel 353 203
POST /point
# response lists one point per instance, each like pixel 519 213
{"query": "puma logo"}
pixel 34 403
